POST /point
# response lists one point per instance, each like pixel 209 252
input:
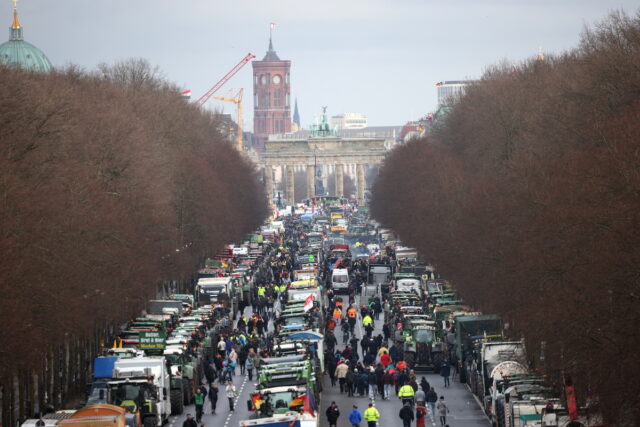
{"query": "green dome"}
pixel 17 52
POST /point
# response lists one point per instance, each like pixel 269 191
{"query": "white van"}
pixel 340 280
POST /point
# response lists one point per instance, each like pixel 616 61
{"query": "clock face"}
pixel 263 79
pixel 276 80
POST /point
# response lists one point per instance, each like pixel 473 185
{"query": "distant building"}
pixel 349 121
pixel 449 90
pixel 18 53
pixel 271 97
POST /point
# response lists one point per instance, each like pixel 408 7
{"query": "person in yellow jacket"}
pixel 406 393
pixel 261 291
pixel 367 320
pixel 371 414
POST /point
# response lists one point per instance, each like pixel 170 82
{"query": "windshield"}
pixel 424 335
pixel 380 277
pixel 340 279
pixel 174 359
pixel 295 320
pixel 280 400
pixel 98 394
pixel 132 392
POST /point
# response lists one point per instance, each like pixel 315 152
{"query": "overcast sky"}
pixel 381 58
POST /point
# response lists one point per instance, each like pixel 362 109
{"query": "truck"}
pixel 97 415
pixel 102 374
pixel 340 280
pixel 164 307
pixel 379 275
pixel 212 290
pixel 498 360
pixel 141 385
pixel 473 327
pixel 101 415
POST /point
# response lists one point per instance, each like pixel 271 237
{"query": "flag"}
pixel 256 400
pixel 572 406
pixel 187 93
pixel 310 403
pixel 298 401
pixel 308 303
pixel 273 26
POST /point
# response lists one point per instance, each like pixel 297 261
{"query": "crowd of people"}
pixel 381 371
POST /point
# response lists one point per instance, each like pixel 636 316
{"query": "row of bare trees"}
pixel 110 182
pixel 528 195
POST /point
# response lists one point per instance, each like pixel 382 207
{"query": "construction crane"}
pixel 240 111
pixel 204 98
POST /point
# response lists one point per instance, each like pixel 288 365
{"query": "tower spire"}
pixel 296 114
pixel 271 53
pixel 15 30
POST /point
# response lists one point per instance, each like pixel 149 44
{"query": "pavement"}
pixel 465 411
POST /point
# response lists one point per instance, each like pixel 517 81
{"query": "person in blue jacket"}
pixel 355 417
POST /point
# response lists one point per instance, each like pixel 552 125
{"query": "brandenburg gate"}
pixel 324 149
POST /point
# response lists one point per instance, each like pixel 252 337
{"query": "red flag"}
pixel 572 406
pixel 308 303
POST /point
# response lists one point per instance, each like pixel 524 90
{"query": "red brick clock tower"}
pixel 271 97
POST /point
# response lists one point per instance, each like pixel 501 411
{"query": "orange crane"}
pixel 240 111
pixel 204 98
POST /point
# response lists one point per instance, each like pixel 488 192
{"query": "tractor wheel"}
pixel 150 421
pixel 186 392
pixel 438 358
pixel 177 402
pixel 410 359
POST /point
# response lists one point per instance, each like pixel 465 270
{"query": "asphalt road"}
pixel 465 411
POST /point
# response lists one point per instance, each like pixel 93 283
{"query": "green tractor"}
pixel 422 349
pixel 287 374
pixel 185 375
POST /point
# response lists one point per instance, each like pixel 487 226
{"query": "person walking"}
pixel 222 347
pixel 420 396
pixel 333 413
pixel 189 422
pixel 406 393
pixel 231 394
pixel 249 366
pixel 355 417
pixel 341 374
pixel 371 414
pixel 432 397
pixel 406 415
pixel 421 413
pixel 424 384
pixel 198 400
pixel 389 382
pixel 445 372
pixel 443 409
pixel 213 397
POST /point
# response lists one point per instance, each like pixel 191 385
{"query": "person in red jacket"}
pixel 421 414
pixel 385 359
